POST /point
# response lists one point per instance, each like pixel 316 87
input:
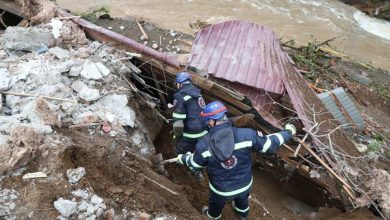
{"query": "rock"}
pixel 12 206
pixel 142 38
pixel 96 200
pixel 61 218
pixel 90 71
pixel 122 27
pixel 361 148
pixel 92 217
pixel 75 71
pixel 81 193
pixel 74 175
pixel 82 216
pixel 3 55
pixel 155 46
pixel 3 139
pixel 83 206
pixel 5 80
pixel 65 66
pixel 60 53
pixel 27 39
pixel 103 69
pixel 109 214
pixel 109 79
pixel 78 86
pixel 143 216
pixel 91 210
pixel 89 94
pixel 65 207
pixel 99 212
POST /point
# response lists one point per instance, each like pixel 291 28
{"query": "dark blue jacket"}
pixel 188 105
pixel 226 151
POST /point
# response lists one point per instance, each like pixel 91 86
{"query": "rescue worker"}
pixel 188 125
pixel 226 151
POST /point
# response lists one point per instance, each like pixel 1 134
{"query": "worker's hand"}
pixel 179 159
pixel 291 128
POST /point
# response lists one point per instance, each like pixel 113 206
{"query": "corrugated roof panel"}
pixel 243 52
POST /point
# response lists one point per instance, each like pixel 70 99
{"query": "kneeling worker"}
pixel 188 125
pixel 226 151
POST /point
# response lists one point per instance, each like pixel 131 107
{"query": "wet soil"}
pixel 375 8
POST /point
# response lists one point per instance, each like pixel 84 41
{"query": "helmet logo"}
pixel 201 102
pixel 229 163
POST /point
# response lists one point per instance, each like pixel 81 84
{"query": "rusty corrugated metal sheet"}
pixel 240 51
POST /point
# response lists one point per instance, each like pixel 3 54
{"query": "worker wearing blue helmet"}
pixel 188 125
pixel 226 151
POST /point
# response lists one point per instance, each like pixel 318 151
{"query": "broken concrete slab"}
pixel 75 175
pixel 89 94
pixel 65 207
pixel 27 39
pixel 75 71
pixel 103 69
pixel 60 53
pixel 5 80
pixel 78 86
pixel 91 71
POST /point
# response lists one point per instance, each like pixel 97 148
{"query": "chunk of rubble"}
pixel 60 53
pixel 96 200
pixel 94 71
pixel 89 94
pixel 65 207
pixel 5 80
pixel 75 71
pixel 78 85
pixel 26 39
pixel 46 114
pixel 75 175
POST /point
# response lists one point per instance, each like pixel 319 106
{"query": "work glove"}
pixel 291 128
pixel 178 128
pixel 179 159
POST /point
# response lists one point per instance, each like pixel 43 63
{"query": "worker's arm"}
pixel 270 143
pixel 195 161
pixel 179 115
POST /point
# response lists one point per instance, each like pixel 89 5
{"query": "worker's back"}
pixel 229 157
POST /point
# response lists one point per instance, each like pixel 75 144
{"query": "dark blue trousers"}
pixel 217 202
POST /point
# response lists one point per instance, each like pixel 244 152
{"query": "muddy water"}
pixel 361 37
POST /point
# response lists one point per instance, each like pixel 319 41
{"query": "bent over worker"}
pixel 226 151
pixel 188 125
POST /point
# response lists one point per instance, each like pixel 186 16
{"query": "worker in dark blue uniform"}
pixel 226 151
pixel 188 125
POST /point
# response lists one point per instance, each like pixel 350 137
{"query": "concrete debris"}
pixel 8 199
pixel 60 53
pixel 26 39
pixel 78 86
pixel 56 27
pixel 5 80
pixel 34 175
pixel 91 71
pixel 89 94
pixel 103 69
pixel 65 207
pixel 75 175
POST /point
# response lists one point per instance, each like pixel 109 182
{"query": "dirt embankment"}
pixel 375 8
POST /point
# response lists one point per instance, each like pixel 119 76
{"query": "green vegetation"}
pixel 92 15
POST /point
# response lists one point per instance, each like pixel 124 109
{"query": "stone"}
pixel 109 79
pixel 91 210
pixel 5 80
pixel 26 39
pixel 75 175
pixel 65 207
pixel 82 216
pixel 155 46
pixel 89 94
pixel 83 206
pixel 81 193
pixel 96 200
pixel 60 53
pixel 122 27
pixel 103 69
pixel 143 216
pixel 99 212
pixel 92 217
pixel 78 86
pixel 75 71
pixel 12 206
pixel 65 66
pixel 91 71
pixel 362 148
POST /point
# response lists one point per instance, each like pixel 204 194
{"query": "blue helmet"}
pixel 182 77
pixel 214 110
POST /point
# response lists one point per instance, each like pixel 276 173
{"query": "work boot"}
pixel 199 176
pixel 205 208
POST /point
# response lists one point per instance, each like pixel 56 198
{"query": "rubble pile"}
pixel 7 203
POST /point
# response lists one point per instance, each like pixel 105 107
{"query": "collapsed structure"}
pixel 248 70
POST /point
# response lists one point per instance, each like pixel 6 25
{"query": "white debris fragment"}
pixel 74 175
pixel 5 80
pixel 56 27
pixel 78 86
pixel 155 46
pixel 90 71
pixel 122 27
pixel 60 53
pixel 89 94
pixel 34 175
pixel 96 200
pixel 65 207
pixel 103 69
